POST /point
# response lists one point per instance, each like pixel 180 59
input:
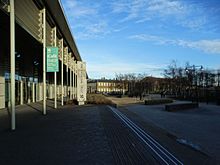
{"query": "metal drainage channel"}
pixel 161 153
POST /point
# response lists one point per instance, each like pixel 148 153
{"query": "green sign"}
pixel 52 59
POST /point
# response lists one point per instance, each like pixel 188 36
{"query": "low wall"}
pixel 183 106
pixel 157 101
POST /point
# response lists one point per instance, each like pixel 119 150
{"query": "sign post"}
pixel 53 65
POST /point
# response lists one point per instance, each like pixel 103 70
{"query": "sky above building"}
pixel 144 36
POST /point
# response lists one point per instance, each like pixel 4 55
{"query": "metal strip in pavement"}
pixel 163 154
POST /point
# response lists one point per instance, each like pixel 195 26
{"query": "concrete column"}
pixel 37 92
pixel 73 90
pixel 33 92
pixel 51 91
pixel 40 92
pixel 75 79
pixel 76 85
pixel 2 92
pixel 21 93
pixel 64 93
pixel 58 92
pixel 29 92
pixel 67 81
pixel 9 94
pixel 70 87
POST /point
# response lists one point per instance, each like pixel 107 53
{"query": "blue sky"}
pixel 144 36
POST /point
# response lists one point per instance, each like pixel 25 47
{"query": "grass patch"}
pixel 157 101
pixel 98 99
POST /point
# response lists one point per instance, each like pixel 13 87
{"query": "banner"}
pixel 52 59
pixel 81 81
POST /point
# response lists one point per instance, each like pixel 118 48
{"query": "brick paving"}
pixel 126 147
pixel 69 135
pixel 198 126
pixel 73 134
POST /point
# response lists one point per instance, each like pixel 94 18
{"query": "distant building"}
pixel 91 86
pixel 106 86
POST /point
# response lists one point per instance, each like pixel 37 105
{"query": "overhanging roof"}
pixel 58 15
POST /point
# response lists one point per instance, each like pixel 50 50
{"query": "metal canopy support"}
pixel 76 72
pixel 62 72
pixel 70 79
pixel 55 73
pixel 12 52
pixel 67 79
pixel 76 79
pixel 70 87
pixel 73 77
pixel 44 62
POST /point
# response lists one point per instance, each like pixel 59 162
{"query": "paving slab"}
pixel 199 128
pixel 68 135
pixel 72 134
pixel 88 134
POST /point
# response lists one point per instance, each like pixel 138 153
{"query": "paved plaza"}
pixel 198 128
pixel 88 134
pixel 68 135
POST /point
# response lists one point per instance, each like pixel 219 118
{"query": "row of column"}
pixel 65 57
pixel 35 90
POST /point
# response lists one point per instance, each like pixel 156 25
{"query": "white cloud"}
pixel 194 23
pixel 155 39
pixel 207 46
pixel 140 8
pixel 85 19
pixel 76 10
pixel 191 16
pixel 96 30
pixel 166 7
pixel 109 69
pixel 119 6
pixel 99 27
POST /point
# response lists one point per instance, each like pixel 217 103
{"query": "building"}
pixel 91 86
pixel 28 30
pixel 106 86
